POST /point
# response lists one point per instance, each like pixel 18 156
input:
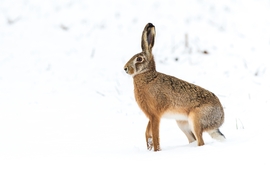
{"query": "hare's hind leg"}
pixel 184 126
pixel 194 122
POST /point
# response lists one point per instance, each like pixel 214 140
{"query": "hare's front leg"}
pixel 148 136
pixel 155 129
pixel 152 134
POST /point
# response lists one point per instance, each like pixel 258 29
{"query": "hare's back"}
pixel 182 92
pixel 176 85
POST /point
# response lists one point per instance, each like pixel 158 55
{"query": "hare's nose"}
pixel 126 69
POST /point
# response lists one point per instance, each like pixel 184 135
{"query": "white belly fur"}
pixel 176 116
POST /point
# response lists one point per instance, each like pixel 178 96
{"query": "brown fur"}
pixel 159 94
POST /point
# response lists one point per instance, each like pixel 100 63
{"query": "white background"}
pixel 67 109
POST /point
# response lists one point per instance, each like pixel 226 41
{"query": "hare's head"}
pixel 144 61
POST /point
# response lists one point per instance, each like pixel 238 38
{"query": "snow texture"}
pixel 67 109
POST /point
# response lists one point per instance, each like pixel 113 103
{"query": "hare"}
pixel 195 109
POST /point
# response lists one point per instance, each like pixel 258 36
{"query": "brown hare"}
pixel 195 109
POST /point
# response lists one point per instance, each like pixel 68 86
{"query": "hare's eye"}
pixel 139 59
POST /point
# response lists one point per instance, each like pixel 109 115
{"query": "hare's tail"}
pixel 216 134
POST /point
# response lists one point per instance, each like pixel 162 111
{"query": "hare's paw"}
pixel 157 148
pixel 149 144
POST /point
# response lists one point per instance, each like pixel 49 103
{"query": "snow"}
pixel 67 109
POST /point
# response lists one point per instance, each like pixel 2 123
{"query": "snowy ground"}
pixel 67 109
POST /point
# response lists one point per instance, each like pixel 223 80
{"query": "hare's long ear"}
pixel 148 38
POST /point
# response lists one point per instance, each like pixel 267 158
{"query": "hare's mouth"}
pixel 129 70
pixel 126 69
